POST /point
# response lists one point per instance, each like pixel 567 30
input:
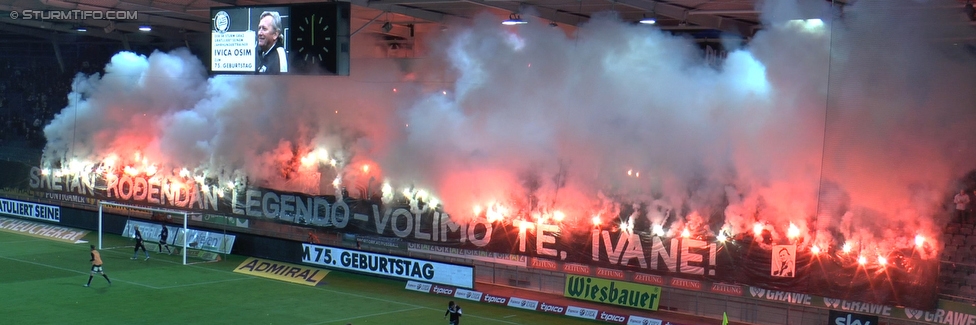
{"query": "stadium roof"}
pixel 182 21
pixel 175 19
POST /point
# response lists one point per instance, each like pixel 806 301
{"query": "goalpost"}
pixel 186 216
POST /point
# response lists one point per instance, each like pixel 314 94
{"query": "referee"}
pixel 454 311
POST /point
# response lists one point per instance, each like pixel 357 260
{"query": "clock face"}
pixel 314 40
pixel 319 40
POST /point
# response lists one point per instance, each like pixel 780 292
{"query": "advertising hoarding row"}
pixel 601 252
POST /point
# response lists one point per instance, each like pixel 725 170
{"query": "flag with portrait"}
pixel 783 262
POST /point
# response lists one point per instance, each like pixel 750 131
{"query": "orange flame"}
pixel 558 216
pixel 793 231
pixel 658 230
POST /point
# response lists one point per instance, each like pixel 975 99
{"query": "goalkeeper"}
pixel 163 234
pixel 139 244
pixel 96 262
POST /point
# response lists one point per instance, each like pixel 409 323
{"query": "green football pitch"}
pixel 42 282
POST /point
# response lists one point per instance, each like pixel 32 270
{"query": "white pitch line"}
pixel 406 304
pixel 256 277
pixel 385 300
pixel 364 316
pixel 18 241
pixel 509 316
pixel 176 263
pixel 73 271
pixel 129 282
pixel 202 283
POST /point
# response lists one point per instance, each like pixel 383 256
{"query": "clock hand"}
pixel 313 29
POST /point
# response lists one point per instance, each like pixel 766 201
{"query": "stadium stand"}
pixel 958 270
pixel 33 89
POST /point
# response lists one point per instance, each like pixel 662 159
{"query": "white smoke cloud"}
pixel 529 116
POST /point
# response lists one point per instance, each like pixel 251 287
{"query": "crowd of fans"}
pixel 34 89
pixel 31 93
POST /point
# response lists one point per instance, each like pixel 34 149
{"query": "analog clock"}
pixel 314 39
pixel 309 50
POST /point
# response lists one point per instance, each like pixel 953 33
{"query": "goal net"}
pixel 192 245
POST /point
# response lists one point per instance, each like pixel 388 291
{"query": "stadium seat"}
pixel 959 275
pixel 952 228
pixel 966 290
pixel 958 240
pixel 964 281
pixel 948 285
pixel 971 240
pixel 952 290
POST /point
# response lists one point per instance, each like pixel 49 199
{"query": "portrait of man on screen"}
pixel 271 58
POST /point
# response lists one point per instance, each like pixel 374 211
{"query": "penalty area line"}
pixel 19 241
pixel 380 299
pixel 364 316
pixel 202 283
pixel 407 304
pixel 165 260
pixel 74 271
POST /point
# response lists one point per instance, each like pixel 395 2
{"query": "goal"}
pixel 151 230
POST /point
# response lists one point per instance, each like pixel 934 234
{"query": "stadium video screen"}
pixel 307 39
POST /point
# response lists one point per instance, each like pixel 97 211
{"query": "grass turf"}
pixel 41 282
